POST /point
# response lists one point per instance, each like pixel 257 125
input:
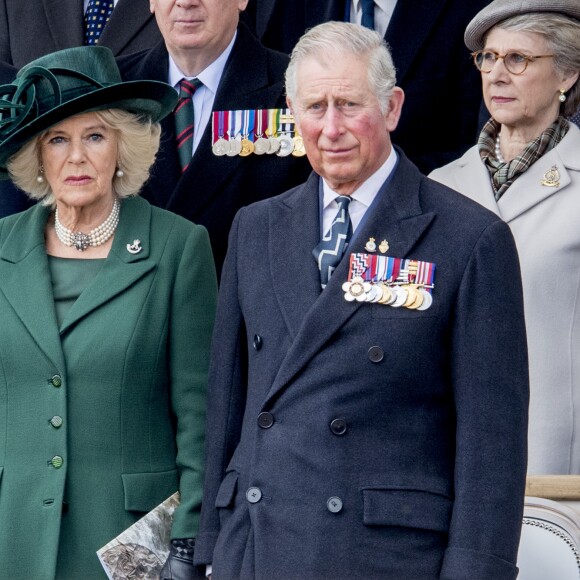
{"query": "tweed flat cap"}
pixel 500 10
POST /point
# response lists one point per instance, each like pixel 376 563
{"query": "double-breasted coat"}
pixel 212 189
pixel 105 413
pixel 355 440
pixel 544 217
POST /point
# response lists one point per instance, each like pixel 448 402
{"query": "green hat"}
pixel 60 85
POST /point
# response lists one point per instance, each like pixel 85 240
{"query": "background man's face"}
pixel 197 24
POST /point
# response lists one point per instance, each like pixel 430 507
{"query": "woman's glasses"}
pixel 515 62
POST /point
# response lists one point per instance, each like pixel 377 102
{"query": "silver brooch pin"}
pixel 135 247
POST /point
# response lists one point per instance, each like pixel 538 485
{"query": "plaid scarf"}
pixel 504 174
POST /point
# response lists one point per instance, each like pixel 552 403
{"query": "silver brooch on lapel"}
pixel 135 247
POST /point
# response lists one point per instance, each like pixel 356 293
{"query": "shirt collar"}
pixel 367 192
pixel 209 76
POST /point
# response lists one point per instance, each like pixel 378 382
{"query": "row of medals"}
pixel 412 296
pixel 282 146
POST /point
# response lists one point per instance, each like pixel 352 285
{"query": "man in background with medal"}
pixel 365 416
pixel 232 87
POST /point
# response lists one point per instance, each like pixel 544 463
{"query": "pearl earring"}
pixel 562 96
pixel 120 173
pixel 39 178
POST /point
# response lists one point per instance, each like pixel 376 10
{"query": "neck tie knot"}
pixel 368 14
pixel 184 120
pixel 331 248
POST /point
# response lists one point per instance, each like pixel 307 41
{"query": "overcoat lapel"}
pixel 528 190
pixel 396 216
pixel 25 281
pixel 317 12
pixel 121 268
pixel 405 45
pixel 65 22
pixel 130 18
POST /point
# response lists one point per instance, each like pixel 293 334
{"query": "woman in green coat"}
pixel 106 312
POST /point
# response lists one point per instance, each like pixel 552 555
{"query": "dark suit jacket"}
pixel 355 440
pixel 213 188
pixel 34 28
pixel 439 121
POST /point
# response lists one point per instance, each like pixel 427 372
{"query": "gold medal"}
pixel 247 147
pixel 298 150
pixel 411 295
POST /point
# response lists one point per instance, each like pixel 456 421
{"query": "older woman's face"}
pixel 528 101
pixel 79 157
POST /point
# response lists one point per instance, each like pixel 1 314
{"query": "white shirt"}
pixel 361 199
pixel 383 12
pixel 204 96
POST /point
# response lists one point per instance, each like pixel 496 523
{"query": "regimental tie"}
pixel 184 121
pixel 97 15
pixel 331 248
pixel 368 14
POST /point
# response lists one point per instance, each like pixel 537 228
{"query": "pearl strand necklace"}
pixel 95 237
pixel 498 154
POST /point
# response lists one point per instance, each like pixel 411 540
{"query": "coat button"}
pixel 56 461
pixel 258 342
pixel 334 504
pixel 376 354
pixel 338 426
pixel 254 495
pixel 265 420
pixel 56 421
pixel 56 381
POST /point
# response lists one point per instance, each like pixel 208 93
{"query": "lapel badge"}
pixel 370 246
pixel 384 247
pixel 135 247
pixel 551 177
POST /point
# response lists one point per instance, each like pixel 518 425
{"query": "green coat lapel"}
pixel 121 268
pixel 25 280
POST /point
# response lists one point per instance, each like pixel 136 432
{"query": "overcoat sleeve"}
pixel 489 374
pixel 226 396
pixel 190 327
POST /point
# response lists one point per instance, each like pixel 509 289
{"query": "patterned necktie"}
pixel 184 120
pixel 331 248
pixel 97 15
pixel 368 14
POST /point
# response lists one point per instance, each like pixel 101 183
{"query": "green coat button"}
pixel 57 461
pixel 56 421
pixel 56 381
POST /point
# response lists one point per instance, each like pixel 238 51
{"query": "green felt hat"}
pixel 60 85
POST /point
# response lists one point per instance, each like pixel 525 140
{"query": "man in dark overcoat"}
pixel 204 41
pixel 375 428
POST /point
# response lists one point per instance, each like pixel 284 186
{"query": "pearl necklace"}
pixel 95 237
pixel 498 154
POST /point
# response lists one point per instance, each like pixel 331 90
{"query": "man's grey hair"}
pixel 336 39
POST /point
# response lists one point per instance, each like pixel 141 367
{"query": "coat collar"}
pixel 527 190
pixel 25 278
pixel 313 317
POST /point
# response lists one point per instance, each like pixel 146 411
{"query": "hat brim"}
pixel 152 99
pixel 501 10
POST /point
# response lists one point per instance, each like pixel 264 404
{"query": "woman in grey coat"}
pixel 526 168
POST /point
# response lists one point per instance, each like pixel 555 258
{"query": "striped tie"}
pixel 184 120
pixel 97 15
pixel 331 248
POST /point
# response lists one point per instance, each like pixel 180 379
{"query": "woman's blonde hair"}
pixel 138 142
